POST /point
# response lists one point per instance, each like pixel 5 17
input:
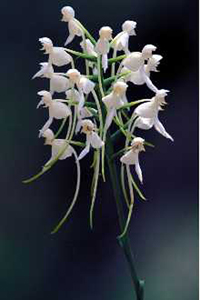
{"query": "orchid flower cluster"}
pixel 95 104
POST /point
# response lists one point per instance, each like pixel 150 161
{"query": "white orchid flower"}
pixel 102 46
pixel 135 60
pixel 57 145
pixel 92 138
pixel 57 109
pixel 58 83
pixel 114 100
pixel 57 55
pixel 121 41
pixel 132 156
pixel 73 27
pixel 142 75
pixel 83 84
pixel 148 114
pixel 140 72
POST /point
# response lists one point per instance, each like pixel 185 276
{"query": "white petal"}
pixel 122 41
pixel 86 85
pixel 146 110
pixel 84 152
pixel 102 46
pixel 58 84
pixel 148 81
pixel 69 39
pixel 160 128
pixel 57 146
pixel 105 62
pixel 59 57
pixel 136 78
pixel 59 110
pixel 133 61
pixel 129 158
pixel 74 28
pixel 109 100
pixel 110 115
pixel 138 171
pixel 144 123
pixel 96 141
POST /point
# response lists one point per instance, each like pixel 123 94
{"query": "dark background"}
pixel 77 263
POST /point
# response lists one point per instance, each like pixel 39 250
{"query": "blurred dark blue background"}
pixel 77 263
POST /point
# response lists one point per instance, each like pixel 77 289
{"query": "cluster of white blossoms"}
pixel 95 104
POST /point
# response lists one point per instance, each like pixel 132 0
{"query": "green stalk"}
pixel 138 285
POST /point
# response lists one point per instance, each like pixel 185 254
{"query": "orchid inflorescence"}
pixel 94 105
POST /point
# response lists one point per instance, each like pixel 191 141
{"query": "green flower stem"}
pixel 111 79
pixel 82 55
pixel 89 36
pixel 138 285
pixel 115 59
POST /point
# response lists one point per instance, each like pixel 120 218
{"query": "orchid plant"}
pixel 95 104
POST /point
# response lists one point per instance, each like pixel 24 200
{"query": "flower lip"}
pixel 68 13
pixel 106 32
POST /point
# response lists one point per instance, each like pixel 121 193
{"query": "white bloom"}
pixel 58 83
pixel 92 138
pixel 132 156
pixel 57 55
pixel 69 17
pixel 121 41
pixel 57 145
pixel 135 60
pixel 102 46
pixel 83 84
pixel 142 75
pixel 57 109
pixel 148 114
pixel 115 100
